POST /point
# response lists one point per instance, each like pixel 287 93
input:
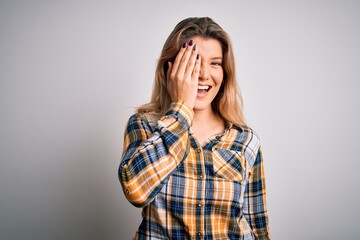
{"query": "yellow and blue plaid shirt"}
pixel 192 191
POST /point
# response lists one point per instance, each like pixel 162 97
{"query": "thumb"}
pixel 169 70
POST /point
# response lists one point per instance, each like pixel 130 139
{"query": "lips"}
pixel 203 88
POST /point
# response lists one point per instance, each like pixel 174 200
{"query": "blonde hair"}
pixel 228 102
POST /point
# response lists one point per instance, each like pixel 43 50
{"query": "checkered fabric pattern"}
pixel 191 191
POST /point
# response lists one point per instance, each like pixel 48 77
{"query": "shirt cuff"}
pixel 178 111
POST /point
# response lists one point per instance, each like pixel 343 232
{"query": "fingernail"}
pixel 184 45
pixel 191 42
pixel 197 57
pixel 195 47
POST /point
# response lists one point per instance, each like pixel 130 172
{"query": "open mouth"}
pixel 203 88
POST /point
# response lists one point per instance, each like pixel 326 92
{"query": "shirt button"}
pixel 127 191
pixel 201 176
pixel 199 150
pixel 199 205
pixel 199 233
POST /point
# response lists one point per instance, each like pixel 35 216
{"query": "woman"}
pixel 189 159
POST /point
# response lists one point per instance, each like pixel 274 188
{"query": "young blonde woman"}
pixel 189 159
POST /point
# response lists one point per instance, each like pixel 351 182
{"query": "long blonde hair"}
pixel 228 102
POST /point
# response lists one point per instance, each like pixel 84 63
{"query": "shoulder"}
pixel 142 120
pixel 247 139
pixel 246 135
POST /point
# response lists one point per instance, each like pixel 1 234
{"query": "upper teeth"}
pixel 203 87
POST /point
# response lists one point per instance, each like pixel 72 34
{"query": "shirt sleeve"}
pixel 254 208
pixel 151 155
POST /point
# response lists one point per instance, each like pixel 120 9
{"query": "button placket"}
pixel 199 150
pixel 201 176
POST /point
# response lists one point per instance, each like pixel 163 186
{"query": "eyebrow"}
pixel 216 58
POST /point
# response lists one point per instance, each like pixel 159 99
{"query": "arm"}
pixel 149 157
pixel 254 208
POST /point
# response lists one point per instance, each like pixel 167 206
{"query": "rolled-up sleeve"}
pixel 150 156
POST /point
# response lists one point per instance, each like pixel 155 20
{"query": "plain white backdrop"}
pixel 72 71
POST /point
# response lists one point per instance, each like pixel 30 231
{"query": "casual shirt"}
pixel 188 190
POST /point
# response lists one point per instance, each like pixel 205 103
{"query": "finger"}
pixel 179 56
pixel 196 71
pixel 192 60
pixel 185 58
pixel 168 79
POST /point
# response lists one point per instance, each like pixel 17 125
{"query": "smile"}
pixel 203 88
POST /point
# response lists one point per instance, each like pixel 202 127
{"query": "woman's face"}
pixel 211 72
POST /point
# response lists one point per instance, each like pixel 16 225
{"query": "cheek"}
pixel 218 77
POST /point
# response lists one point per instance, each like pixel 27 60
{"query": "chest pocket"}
pixel 229 164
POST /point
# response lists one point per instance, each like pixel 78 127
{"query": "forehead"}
pixel 208 47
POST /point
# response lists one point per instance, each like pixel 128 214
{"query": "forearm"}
pixel 149 160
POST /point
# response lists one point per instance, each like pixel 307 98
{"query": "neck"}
pixel 206 123
pixel 203 116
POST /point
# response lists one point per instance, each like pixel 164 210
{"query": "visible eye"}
pixel 216 63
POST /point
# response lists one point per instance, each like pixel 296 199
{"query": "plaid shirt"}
pixel 189 191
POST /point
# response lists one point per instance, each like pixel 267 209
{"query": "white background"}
pixel 72 71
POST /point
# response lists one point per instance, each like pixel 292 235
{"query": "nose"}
pixel 204 72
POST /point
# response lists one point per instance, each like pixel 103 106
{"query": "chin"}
pixel 199 106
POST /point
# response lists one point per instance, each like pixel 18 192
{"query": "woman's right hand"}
pixel 183 74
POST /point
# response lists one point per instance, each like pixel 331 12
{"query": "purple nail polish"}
pixel 191 42
pixel 197 57
pixel 184 45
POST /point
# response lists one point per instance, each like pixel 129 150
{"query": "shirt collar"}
pixel 229 125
